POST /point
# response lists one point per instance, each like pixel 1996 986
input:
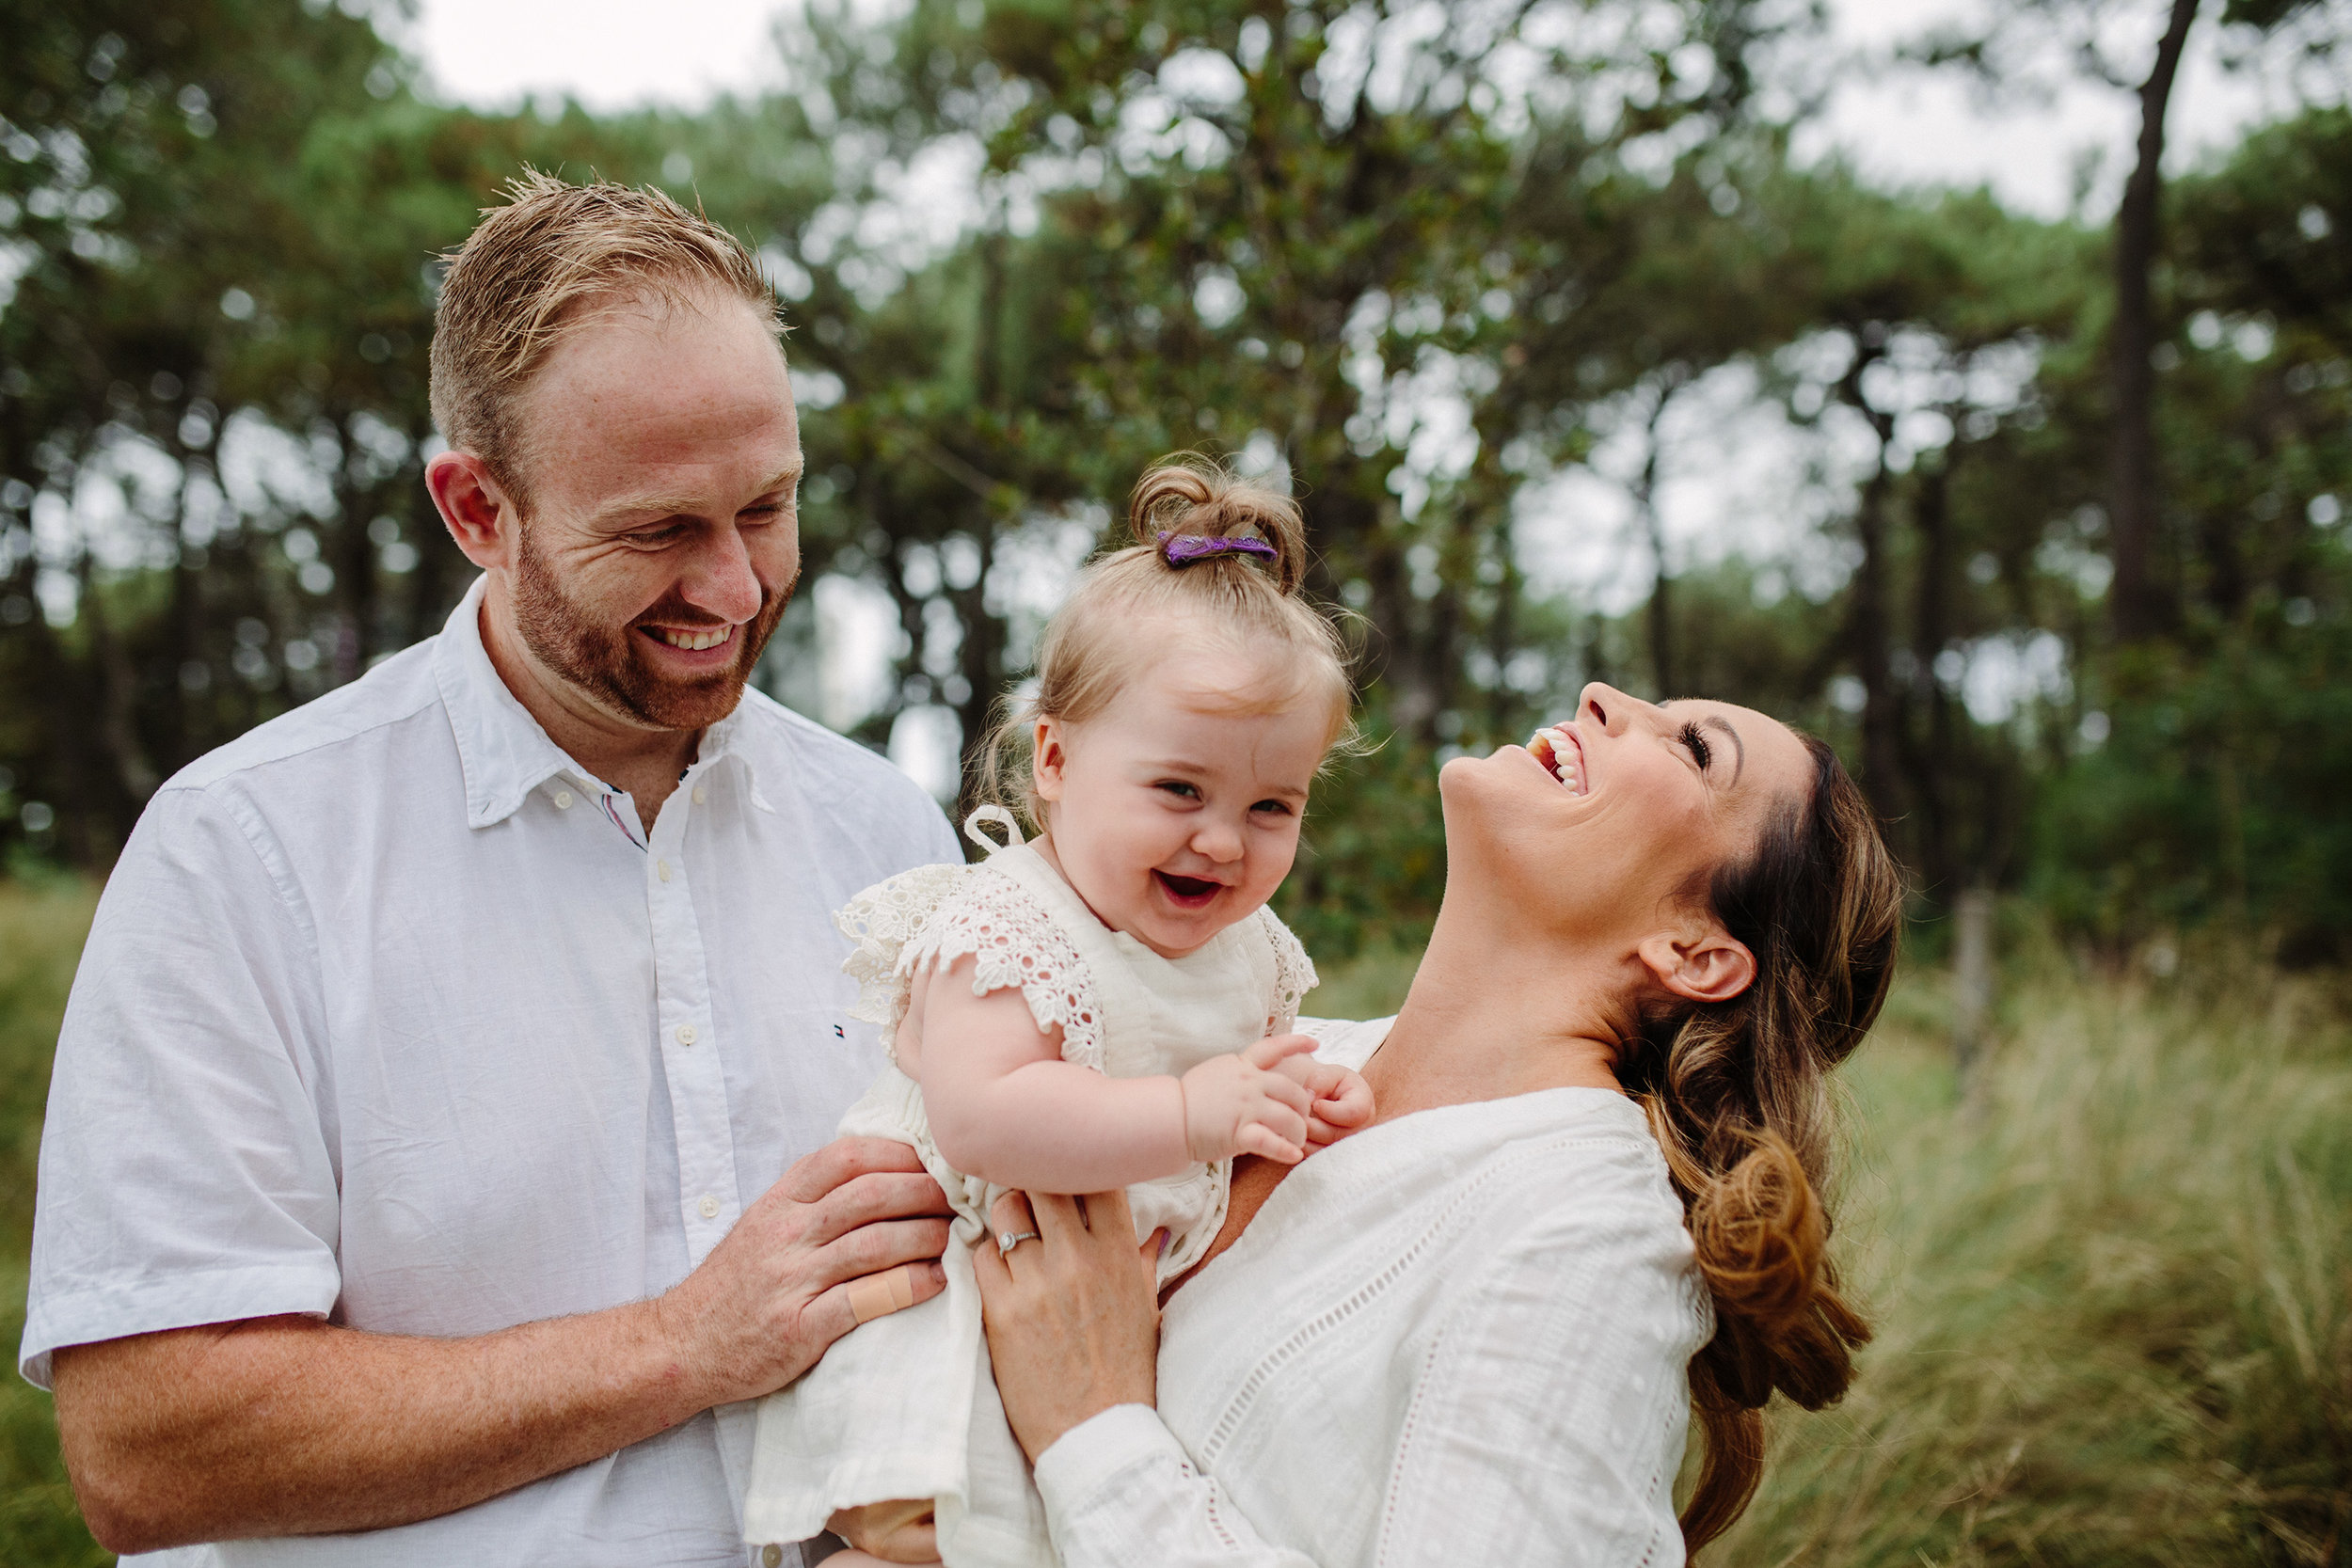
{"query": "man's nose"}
pixel 1610 708
pixel 720 578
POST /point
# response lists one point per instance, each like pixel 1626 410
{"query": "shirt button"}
pixel 771 1555
pixel 686 1034
pixel 698 801
pixel 710 1206
pixel 563 800
pixel 661 869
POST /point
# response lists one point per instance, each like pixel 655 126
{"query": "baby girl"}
pixel 1102 1006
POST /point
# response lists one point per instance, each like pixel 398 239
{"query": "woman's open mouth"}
pixel 1563 756
pixel 1187 893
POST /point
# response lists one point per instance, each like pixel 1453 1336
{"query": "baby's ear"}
pixel 1049 757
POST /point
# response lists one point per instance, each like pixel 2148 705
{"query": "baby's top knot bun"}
pixel 1193 510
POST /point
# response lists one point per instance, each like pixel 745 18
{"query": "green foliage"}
pixel 42 926
pixel 1418 293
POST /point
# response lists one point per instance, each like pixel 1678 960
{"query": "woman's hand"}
pixel 1074 1327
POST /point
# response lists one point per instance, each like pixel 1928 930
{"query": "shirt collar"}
pixel 503 751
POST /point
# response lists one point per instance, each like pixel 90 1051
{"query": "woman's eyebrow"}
pixel 1739 747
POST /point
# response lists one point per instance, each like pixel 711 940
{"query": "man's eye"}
pixel 1179 788
pixel 653 538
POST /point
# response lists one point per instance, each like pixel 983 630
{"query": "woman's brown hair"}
pixel 1113 625
pixel 1736 1093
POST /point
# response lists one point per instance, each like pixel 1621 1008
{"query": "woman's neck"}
pixel 1492 1014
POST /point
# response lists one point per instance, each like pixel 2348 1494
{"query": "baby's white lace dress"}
pixel 905 1406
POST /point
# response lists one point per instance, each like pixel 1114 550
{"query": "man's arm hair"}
pixel 291 1426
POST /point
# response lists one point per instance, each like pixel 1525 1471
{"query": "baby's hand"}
pixel 1245 1104
pixel 1342 1101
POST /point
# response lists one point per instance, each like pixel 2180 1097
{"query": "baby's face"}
pixel 1175 812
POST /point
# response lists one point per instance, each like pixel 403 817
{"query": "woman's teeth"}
pixel 1557 751
pixel 692 641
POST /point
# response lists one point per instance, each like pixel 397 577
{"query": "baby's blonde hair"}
pixel 1101 638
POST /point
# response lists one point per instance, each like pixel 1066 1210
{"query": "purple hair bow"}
pixel 1183 549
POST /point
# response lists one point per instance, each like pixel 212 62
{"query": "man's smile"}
pixel 692 640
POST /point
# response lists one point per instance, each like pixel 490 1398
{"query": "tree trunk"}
pixel 1936 765
pixel 1660 617
pixel 1870 628
pixel 2133 499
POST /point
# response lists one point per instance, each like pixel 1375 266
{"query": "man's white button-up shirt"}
pixel 395 1016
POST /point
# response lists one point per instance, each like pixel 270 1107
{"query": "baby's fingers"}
pixel 1347 1103
pixel 1278 1048
pixel 1258 1138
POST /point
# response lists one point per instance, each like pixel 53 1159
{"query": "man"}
pixel 407 1184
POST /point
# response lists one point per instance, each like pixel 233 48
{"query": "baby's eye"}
pixel 1179 788
pixel 1273 808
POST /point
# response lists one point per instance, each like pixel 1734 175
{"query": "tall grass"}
pixel 41 927
pixel 2113 1289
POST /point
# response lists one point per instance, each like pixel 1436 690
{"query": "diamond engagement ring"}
pixel 1008 1240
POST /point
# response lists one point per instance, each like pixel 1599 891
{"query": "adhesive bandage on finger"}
pixel 878 1295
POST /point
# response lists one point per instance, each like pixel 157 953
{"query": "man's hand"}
pixel 776 1292
pixel 1342 1101
pixel 1242 1104
pixel 292 1426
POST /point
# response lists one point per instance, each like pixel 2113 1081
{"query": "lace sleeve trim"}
pixel 1294 973
pixel 1016 945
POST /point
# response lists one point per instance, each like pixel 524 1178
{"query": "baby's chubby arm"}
pixel 1004 1107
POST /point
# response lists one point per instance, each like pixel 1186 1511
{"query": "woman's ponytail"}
pixel 1735 1093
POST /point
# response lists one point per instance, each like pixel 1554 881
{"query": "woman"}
pixel 1476 1329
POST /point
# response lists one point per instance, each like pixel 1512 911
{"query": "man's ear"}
pixel 1049 758
pixel 1699 964
pixel 478 514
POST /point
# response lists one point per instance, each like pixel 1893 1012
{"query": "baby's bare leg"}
pixel 898 1531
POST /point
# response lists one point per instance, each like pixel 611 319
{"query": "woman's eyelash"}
pixel 1699 751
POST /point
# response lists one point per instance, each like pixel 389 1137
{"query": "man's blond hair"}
pixel 534 269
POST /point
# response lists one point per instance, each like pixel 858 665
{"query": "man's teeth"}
pixel 1557 751
pixel 692 641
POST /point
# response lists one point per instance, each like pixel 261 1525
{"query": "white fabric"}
pixel 1458 1337
pixel 905 1406
pixel 394 1016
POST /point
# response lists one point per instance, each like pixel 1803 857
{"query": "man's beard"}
pixel 606 662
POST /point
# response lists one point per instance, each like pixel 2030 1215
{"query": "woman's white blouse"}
pixel 1460 1336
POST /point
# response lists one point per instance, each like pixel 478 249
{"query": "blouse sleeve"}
pixel 1545 1425
pixel 1121 1492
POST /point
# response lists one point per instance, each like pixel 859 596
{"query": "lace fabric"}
pixel 1294 973
pixel 938 914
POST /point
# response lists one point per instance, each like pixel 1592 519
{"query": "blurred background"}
pixel 1969 381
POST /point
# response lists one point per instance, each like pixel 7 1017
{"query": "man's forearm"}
pixel 289 1426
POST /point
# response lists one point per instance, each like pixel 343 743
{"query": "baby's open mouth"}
pixel 1188 892
pixel 1563 757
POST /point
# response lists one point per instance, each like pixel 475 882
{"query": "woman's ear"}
pixel 1049 759
pixel 1699 964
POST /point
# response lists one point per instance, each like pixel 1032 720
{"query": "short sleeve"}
pixel 185 1172
pixel 1294 973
